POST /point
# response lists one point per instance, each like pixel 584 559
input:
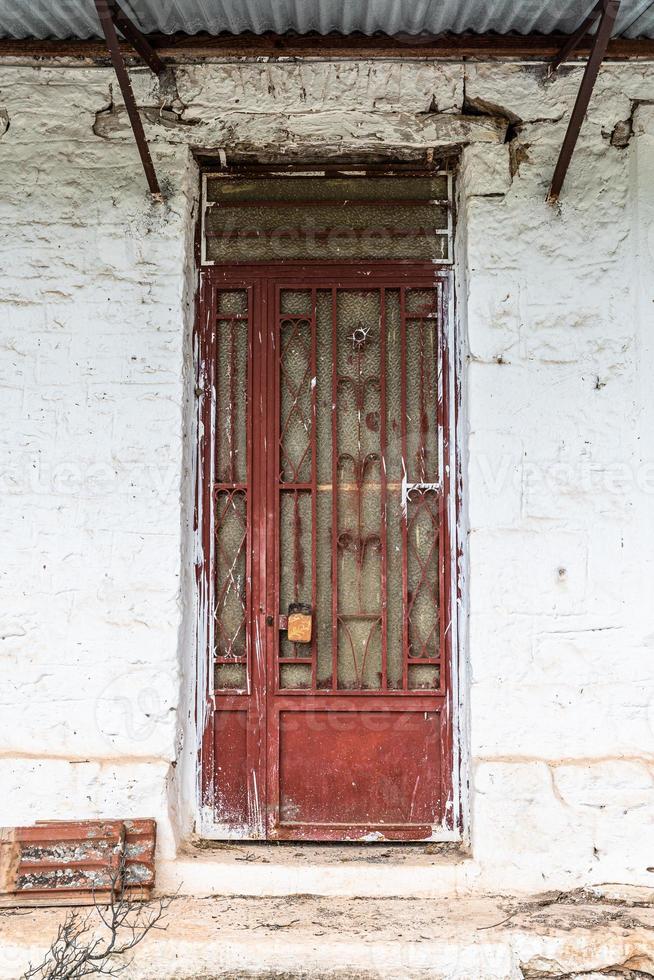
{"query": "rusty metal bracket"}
pixel 138 40
pixel 608 12
pixel 107 10
pixel 575 39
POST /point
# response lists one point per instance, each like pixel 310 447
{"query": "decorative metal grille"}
pixel 360 488
pixel 232 360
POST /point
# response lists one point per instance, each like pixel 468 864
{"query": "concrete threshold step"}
pixel 266 870
pixel 481 938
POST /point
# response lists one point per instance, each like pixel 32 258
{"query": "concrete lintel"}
pixel 300 133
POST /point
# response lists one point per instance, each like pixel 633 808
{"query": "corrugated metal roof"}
pixel 77 19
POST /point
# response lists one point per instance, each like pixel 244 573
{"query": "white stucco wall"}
pixel 556 315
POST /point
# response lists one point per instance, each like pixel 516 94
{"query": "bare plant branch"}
pixel 80 950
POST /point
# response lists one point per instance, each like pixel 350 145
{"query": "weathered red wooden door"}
pixel 326 486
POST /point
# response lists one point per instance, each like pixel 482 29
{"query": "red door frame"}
pixel 260 280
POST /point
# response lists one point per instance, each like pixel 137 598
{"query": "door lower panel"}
pixel 371 772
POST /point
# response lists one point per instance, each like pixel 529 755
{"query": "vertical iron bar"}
pixel 359 471
pixel 217 502
pixel 206 366
pixel 441 421
pixel 314 487
pixel 602 38
pixel 218 476
pixel 383 491
pixel 405 497
pixel 271 467
pixel 249 570
pixel 122 75
pixel 232 367
pixel 254 633
pixel 420 328
pixel 266 334
pixel 445 477
pixel 334 491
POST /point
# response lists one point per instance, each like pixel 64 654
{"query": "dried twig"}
pixel 81 950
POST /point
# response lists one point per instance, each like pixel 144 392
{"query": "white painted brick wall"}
pixel 556 306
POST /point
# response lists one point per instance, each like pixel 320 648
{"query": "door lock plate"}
pixel 299 623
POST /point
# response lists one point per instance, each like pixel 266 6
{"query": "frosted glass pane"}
pixel 424 678
pixel 290 188
pixel 229 677
pixel 423 577
pixel 422 401
pixel 395 609
pixel 294 677
pixel 231 394
pixel 316 221
pixel 232 301
pixel 295 397
pixel 272 219
pixel 230 578
pixel 295 302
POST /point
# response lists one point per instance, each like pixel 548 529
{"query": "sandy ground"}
pixel 498 937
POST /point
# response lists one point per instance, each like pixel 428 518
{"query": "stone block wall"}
pixel 555 319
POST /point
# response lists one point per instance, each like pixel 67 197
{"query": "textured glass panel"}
pixel 230 677
pixel 423 574
pixel 339 243
pixel 395 609
pixel 232 301
pixel 318 218
pixel 323 612
pixel 231 399
pixel 327 188
pixel 297 302
pixel 230 577
pixel 294 677
pixel 359 653
pixel 424 302
pixel 359 550
pixel 359 348
pixel 316 221
pixel 324 385
pixel 424 678
pixel 359 510
pixel 422 401
pixel 393 388
pixel 296 410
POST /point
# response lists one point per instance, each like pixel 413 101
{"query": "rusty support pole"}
pixel 138 40
pixel 104 13
pixel 602 37
pixel 575 39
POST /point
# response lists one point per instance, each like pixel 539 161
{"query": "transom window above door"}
pixel 362 217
